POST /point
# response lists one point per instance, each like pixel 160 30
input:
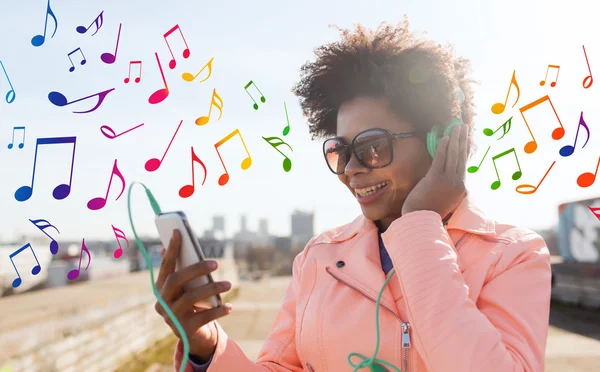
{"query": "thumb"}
pixel 162 252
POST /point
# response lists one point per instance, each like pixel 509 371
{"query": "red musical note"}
pixel 498 108
pixel 589 69
pixel 552 84
pixel 154 163
pixel 595 211
pixel 74 274
pixel 161 94
pixel 188 190
pixel 520 188
pixel 246 163
pixel 568 150
pixel 36 269
pixel 100 202
pixel 557 133
pixel 587 179
pixel 137 79
pixel 119 234
pixel 186 51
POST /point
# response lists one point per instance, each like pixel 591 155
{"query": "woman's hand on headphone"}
pixel 443 187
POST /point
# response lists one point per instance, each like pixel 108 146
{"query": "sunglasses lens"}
pixel 335 155
pixel 373 148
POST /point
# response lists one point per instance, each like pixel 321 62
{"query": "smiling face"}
pixel 411 161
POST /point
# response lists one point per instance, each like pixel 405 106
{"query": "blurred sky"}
pixel 267 42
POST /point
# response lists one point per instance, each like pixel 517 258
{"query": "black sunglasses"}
pixel 373 149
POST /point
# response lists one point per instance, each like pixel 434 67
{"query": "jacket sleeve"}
pixel 506 330
pixel 278 353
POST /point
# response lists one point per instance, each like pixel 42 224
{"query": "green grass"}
pixel 162 351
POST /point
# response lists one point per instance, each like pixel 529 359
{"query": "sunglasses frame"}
pixel 351 149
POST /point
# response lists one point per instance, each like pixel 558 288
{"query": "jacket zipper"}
pixel 310 369
pixel 405 325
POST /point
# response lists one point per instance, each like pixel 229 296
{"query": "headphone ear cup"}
pixel 433 140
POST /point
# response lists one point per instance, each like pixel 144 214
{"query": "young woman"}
pixel 466 293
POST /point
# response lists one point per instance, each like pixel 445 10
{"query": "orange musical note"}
pixel 246 163
pixel 475 168
pixel 188 190
pixel 496 184
pixel 189 77
pixel 74 274
pixel 552 84
pixel 498 108
pixel 204 119
pixel 154 163
pixel 589 69
pixel 595 211
pixel 100 202
pixel 505 128
pixel 186 51
pixel 119 234
pixel 587 179
pixel 557 133
pixel 287 163
pixel 520 188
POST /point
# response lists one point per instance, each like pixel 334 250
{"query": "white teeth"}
pixel 370 190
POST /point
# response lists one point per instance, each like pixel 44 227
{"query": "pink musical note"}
pixel 109 58
pixel 186 51
pixel 106 128
pixel 188 190
pixel 36 269
pixel 119 234
pixel 154 163
pixel 161 94
pixel 587 179
pixel 137 79
pixel 74 274
pixel 595 211
pixel 42 225
pixel 100 202
pixel 59 99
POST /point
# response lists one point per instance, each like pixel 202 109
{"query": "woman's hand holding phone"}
pixel 197 323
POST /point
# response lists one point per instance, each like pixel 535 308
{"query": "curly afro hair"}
pixel 419 78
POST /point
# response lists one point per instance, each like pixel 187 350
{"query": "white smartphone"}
pixel 190 252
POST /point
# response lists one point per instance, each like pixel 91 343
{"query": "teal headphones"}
pixel 433 137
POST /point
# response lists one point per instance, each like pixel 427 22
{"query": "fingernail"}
pixel 212 265
pixel 228 306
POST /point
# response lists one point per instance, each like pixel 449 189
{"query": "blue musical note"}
pixel 39 40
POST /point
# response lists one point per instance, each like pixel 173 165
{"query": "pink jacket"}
pixel 475 293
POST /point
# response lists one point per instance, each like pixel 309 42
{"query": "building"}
pixel 218 223
pixel 263 227
pixel 302 229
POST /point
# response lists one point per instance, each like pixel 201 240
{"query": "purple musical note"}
pixel 100 202
pixel 74 274
pixel 61 191
pixel 99 21
pixel 36 269
pixel 59 99
pixel 43 224
pixel 105 128
pixel 568 150
pixel 83 60
pixel 108 57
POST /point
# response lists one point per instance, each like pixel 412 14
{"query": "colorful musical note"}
pixel 246 163
pixel 505 128
pixel 119 234
pixel 42 225
pixel 10 145
pixel 189 77
pixel 36 269
pixel 137 79
pixel 38 40
pixel 520 189
pixel 61 191
pixel 557 133
pixel 568 150
pixel 188 190
pixel 110 58
pixel 287 163
pixel 496 184
pixel 262 97
pixel 161 94
pixel 552 84
pixel 74 274
pixel 83 60
pixel 59 99
pixel 186 51
pixel 12 89
pixel 595 211
pixel 591 81
pixel 202 120
pixel 498 108
pixel 286 130
pixel 587 179
pixel 99 21
pixel 475 168
pixel 106 128
pixel 100 202
pixel 153 164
